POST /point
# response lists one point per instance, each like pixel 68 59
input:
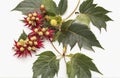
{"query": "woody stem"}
pixel 73 10
pixel 54 47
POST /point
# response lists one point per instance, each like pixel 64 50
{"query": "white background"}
pixel 107 61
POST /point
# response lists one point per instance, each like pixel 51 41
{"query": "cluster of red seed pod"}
pixel 25 47
pixel 35 22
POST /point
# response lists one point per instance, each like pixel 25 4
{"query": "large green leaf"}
pixel 23 36
pixel 62 6
pixel 80 65
pixel 66 24
pixel 50 6
pixel 27 6
pixel 46 65
pixel 83 19
pixel 96 14
pixel 81 34
pixel 56 36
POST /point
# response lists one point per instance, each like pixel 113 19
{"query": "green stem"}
pixel 64 50
pixel 54 47
pixel 73 10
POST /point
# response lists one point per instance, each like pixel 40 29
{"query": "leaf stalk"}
pixel 54 47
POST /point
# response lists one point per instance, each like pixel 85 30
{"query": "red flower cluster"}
pixel 25 47
pixel 34 21
pixel 44 32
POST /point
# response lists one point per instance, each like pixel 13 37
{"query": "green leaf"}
pixel 80 65
pixel 96 13
pixel 28 6
pixel 50 6
pixel 64 27
pixel 81 34
pixel 83 19
pixel 56 36
pixel 23 36
pixel 46 65
pixel 62 6
pixel 66 24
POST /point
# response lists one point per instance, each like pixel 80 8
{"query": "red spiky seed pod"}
pixel 42 7
pixel 21 50
pixel 26 47
pixel 49 33
pixel 34 20
pixel 44 32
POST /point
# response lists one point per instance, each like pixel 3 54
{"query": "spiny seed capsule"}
pixel 28 18
pixel 29 15
pixel 30 22
pixel 35 43
pixel 21 42
pixel 47 33
pixel 43 29
pixel 30 42
pixel 33 18
pixel 36 30
pixel 42 7
pixel 29 48
pixel 22 49
pixel 37 19
pixel 18 44
pixel 35 14
pixel 40 33
pixel 33 38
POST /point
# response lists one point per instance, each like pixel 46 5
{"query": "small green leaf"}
pixel 96 14
pixel 83 19
pixel 81 34
pixel 23 36
pixel 50 6
pixel 62 6
pixel 28 6
pixel 46 65
pixel 66 24
pixel 80 65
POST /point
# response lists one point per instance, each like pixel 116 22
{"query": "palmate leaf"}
pixel 83 19
pixel 66 25
pixel 96 14
pixel 81 34
pixel 27 6
pixel 80 66
pixel 62 7
pixel 23 36
pixel 46 65
pixel 50 6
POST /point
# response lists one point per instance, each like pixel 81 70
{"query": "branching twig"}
pixel 54 47
pixel 73 10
